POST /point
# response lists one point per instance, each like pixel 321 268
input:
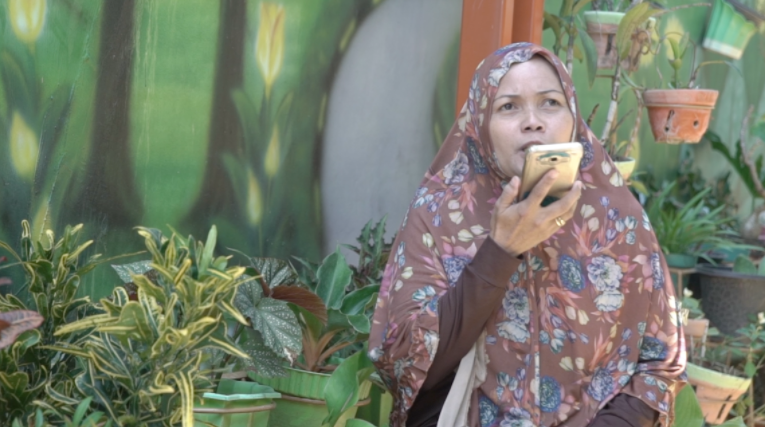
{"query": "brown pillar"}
pixel 490 24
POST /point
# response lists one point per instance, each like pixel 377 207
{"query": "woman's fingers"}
pixel 564 208
pixel 542 188
pixel 509 193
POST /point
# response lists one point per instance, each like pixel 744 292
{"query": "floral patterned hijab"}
pixel 589 313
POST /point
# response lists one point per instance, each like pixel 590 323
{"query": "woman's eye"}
pixel 552 102
pixel 508 106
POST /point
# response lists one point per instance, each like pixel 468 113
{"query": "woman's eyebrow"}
pixel 544 92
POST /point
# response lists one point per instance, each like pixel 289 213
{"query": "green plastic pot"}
pixel 729 31
pixel 379 408
pixel 236 404
pixel 302 403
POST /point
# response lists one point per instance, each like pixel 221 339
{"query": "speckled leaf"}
pixel 275 272
pixel 279 327
pixel 264 361
pixel 125 270
pixel 248 295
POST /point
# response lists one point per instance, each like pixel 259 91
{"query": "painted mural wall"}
pixel 287 124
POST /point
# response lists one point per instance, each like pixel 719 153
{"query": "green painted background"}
pixel 182 113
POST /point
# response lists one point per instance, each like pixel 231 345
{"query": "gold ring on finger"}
pixel 560 221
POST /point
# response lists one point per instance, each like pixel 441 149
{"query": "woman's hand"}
pixel 518 227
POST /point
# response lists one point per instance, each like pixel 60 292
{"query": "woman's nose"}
pixel 532 123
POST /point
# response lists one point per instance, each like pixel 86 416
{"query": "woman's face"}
pixel 530 109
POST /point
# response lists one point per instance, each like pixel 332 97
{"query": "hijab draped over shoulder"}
pixel 589 313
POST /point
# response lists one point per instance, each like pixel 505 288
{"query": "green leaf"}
pixel 334 276
pixel 274 271
pixel 635 18
pixel 360 323
pixel 750 369
pixel 744 265
pixel 735 422
pixel 342 390
pixel 207 255
pixel 278 326
pixel 262 359
pixel 137 268
pixel 247 298
pixel 311 323
pixel 687 410
pixel 79 414
pixel 356 301
pixel 591 54
pixel 579 6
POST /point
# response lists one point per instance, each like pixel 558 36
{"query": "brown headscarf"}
pixel 590 312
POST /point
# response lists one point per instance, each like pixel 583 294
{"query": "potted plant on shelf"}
pixel 730 27
pixel 609 21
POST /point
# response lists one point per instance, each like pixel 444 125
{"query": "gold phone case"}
pixel 564 157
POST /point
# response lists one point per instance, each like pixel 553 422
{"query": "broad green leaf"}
pixel 360 323
pixel 337 321
pixel 687 410
pixel 15 383
pixel 279 327
pixel 247 298
pixel 579 6
pixel 334 276
pixel 312 324
pixel 126 270
pixel 342 390
pixel 591 54
pixel 356 301
pixel 750 369
pixel 744 265
pixel 13 323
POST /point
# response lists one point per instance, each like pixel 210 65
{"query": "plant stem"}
pixel 570 50
pixel 610 117
pixel 745 154
pixel 636 127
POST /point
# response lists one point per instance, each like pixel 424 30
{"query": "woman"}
pixel 556 315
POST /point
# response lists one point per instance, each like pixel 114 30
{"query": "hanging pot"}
pixel 602 26
pixel 679 115
pixel 729 31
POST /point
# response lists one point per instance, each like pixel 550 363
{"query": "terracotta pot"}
pixel 716 392
pixel 679 115
pixel 602 26
pixel 696 328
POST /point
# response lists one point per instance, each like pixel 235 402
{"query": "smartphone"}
pixel 564 157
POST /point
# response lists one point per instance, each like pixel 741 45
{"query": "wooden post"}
pixel 490 24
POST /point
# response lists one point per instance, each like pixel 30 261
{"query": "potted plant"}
pixel 607 20
pixel 749 170
pixel 687 231
pixel 33 374
pixel 680 113
pixel 695 325
pixel 724 374
pixel 730 27
pixel 144 358
pixel 732 295
pixel 340 321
